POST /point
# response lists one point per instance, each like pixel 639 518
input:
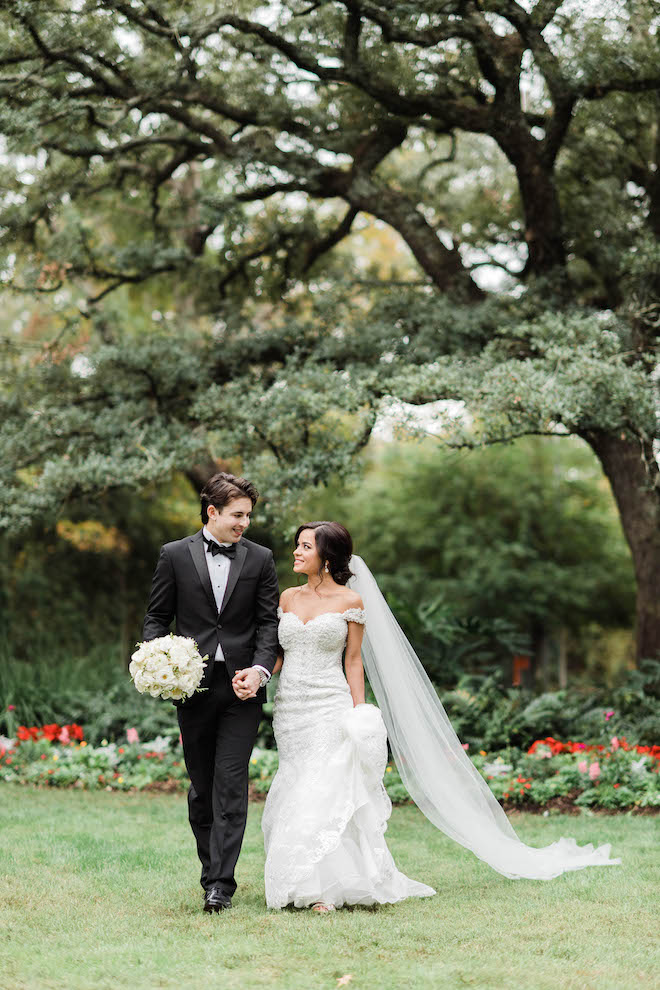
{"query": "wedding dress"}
pixel 327 809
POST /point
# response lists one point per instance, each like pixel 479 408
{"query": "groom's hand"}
pixel 246 683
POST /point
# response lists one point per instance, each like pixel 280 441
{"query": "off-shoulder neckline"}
pixel 354 608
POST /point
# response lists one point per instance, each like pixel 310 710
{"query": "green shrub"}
pixel 489 715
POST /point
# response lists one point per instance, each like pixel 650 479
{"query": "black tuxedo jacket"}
pixel 245 626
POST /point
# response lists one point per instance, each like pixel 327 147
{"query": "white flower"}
pixel 167 667
pixel 496 769
pixel 159 744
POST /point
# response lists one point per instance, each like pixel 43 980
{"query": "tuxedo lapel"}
pixel 198 553
pixel 234 572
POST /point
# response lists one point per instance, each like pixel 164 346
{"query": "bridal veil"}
pixel 437 772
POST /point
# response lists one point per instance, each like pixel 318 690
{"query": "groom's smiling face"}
pixel 228 523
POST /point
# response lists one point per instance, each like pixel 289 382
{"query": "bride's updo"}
pixel 334 545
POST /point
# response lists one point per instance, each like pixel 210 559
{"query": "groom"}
pixel 222 590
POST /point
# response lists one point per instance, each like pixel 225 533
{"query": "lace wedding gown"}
pixel 327 809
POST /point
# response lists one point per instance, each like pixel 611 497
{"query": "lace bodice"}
pixel 322 638
pixel 312 684
pixel 348 615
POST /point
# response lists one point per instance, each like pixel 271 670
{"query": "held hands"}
pixel 246 683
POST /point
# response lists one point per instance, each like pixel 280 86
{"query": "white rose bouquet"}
pixel 167 667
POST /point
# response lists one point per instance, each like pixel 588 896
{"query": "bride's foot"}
pixel 322 908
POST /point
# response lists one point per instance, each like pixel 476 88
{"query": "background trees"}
pixel 503 551
pixel 220 165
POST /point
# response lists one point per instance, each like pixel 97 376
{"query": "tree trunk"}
pixel 633 473
pixel 198 474
pixel 442 264
pixel 540 200
pixel 562 663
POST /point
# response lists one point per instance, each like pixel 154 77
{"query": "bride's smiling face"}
pixel 305 557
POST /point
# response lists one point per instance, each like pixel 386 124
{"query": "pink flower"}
pixel 64 736
pixel 609 714
pixel 615 743
pixel 132 735
pixel 11 708
pixel 582 766
pixel 465 745
pixel 594 771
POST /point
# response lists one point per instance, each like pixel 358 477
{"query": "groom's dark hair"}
pixel 223 488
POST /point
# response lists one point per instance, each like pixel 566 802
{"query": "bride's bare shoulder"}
pixel 287 597
pixel 351 599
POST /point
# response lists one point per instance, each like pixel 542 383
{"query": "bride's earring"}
pixel 327 569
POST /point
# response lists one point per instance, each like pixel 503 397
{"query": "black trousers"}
pixel 218 733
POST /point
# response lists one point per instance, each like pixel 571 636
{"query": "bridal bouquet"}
pixel 167 667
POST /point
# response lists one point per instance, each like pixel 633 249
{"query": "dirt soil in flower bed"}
pixel 560 805
pixel 564 805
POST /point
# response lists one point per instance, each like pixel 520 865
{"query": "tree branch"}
pixel 321 247
pixel 440 104
pixel 596 91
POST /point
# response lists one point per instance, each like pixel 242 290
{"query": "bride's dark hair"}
pixel 333 545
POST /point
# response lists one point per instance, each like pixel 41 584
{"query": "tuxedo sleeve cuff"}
pixel 257 666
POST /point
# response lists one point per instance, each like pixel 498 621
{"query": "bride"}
pixel 327 809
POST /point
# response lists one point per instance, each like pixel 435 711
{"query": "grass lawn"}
pixel 100 891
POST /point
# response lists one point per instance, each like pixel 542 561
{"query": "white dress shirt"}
pixel 218 565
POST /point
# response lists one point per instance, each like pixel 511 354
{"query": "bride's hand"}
pixel 246 683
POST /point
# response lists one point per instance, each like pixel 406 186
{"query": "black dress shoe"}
pixel 215 899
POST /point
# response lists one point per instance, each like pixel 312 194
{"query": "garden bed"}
pixel 551 776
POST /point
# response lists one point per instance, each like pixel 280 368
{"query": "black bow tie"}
pixel 213 548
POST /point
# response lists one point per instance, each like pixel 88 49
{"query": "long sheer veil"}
pixel 437 772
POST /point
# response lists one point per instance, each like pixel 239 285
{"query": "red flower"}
pixel 75 731
pixel 23 733
pixel 11 708
pixel 51 731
